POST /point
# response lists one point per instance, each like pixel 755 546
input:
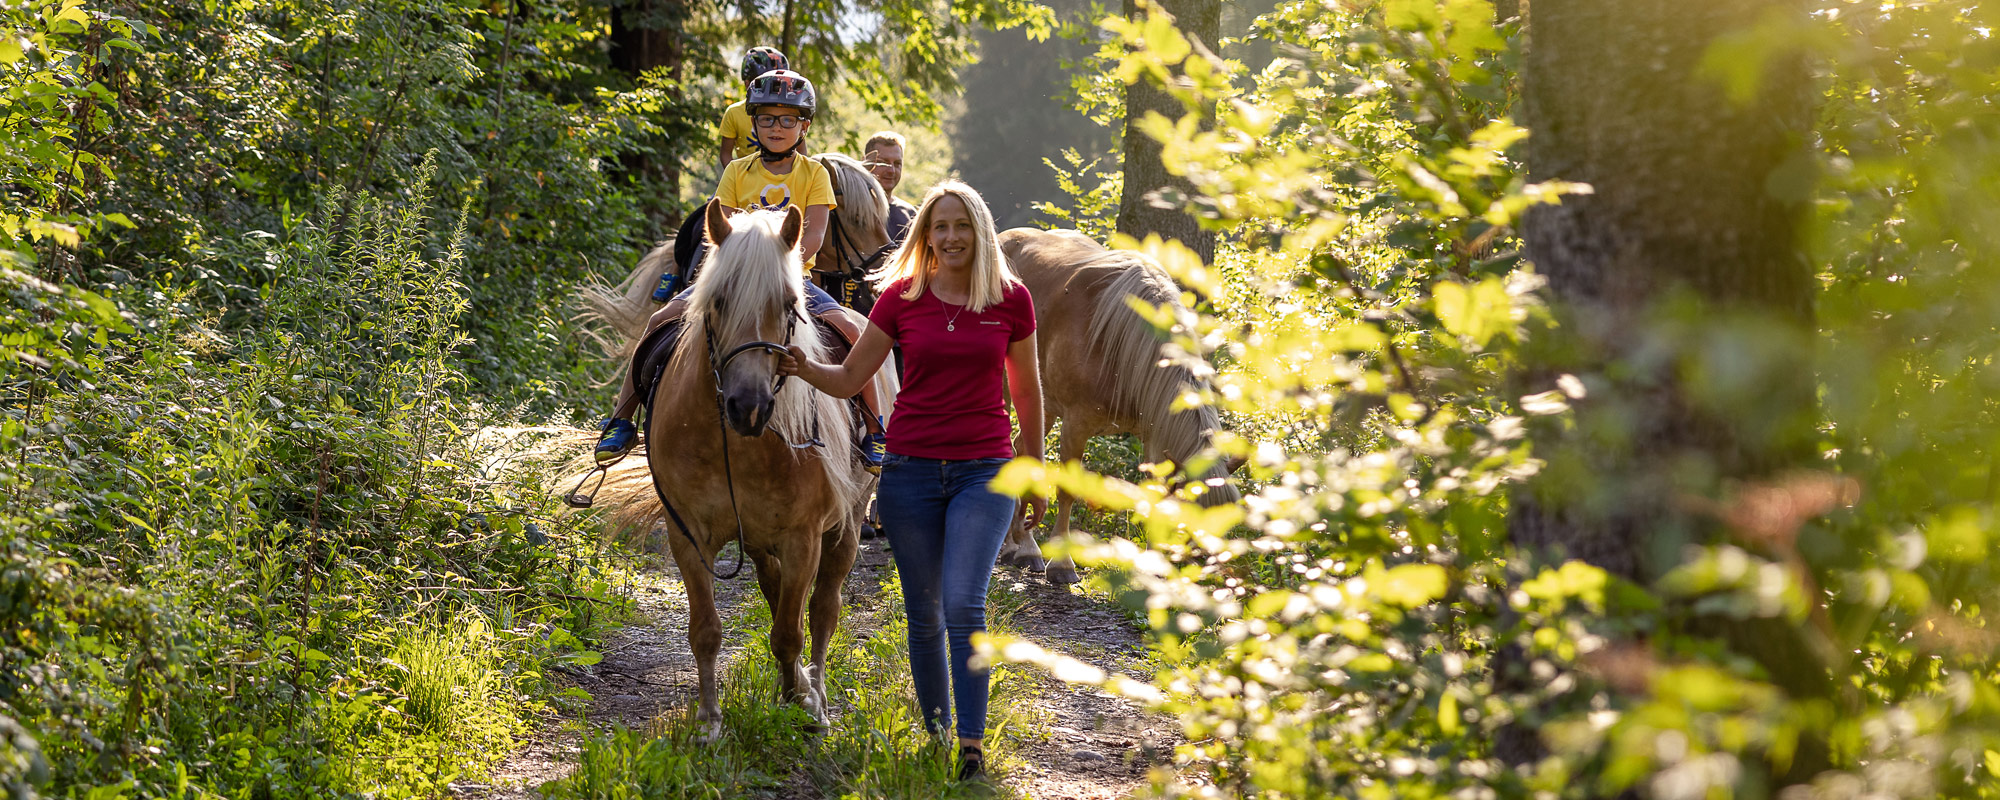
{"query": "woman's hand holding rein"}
pixel 846 378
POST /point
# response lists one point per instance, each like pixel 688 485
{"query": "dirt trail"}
pixel 647 670
pixel 1098 747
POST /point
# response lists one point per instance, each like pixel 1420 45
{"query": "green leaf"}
pixel 1958 535
pixel 1477 313
pixel 1408 585
pixel 1412 15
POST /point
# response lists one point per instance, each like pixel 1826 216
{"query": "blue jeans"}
pixel 818 302
pixel 946 529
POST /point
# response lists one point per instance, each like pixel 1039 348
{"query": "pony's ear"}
pixel 716 222
pixel 795 226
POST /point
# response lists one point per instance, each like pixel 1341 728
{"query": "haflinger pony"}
pixel 1103 368
pixel 736 454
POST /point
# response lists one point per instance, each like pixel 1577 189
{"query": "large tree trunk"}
pixel 1139 214
pixel 1684 298
pixel 646 35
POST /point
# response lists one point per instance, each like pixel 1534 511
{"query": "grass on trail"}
pixel 874 748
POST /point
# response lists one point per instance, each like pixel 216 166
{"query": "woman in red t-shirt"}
pixel 965 324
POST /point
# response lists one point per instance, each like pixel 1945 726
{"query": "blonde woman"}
pixel 967 327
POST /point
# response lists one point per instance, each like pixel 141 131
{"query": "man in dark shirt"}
pixel 884 157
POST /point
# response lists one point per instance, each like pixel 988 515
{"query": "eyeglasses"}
pixel 787 122
pixel 876 164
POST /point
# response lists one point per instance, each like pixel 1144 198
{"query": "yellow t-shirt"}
pixel 736 125
pixel 747 185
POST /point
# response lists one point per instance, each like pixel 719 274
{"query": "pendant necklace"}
pixel 949 321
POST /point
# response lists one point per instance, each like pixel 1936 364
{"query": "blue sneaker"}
pixel 873 448
pixel 668 283
pixel 619 437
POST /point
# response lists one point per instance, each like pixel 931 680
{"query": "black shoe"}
pixel 971 763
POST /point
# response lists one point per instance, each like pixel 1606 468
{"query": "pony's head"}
pixel 860 218
pixel 751 292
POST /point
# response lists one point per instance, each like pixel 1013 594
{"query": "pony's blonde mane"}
pixel 863 204
pixel 750 278
pixel 1145 379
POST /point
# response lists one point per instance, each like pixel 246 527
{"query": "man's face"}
pixel 886 161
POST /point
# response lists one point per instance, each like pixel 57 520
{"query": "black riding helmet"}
pixel 785 89
pixel 760 60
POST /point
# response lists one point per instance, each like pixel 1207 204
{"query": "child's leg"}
pixel 628 392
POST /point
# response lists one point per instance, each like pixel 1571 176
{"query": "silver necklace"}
pixel 948 321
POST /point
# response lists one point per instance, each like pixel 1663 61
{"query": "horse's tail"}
pixel 1147 375
pixel 624 309
pixel 635 510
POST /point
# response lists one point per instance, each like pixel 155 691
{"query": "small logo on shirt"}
pixel 992 322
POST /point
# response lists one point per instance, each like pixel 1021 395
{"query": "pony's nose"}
pixel 747 417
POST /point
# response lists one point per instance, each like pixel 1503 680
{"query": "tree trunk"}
pixel 788 39
pixel 1684 299
pixel 646 35
pixel 1142 209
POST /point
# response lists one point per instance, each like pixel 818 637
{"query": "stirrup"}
pixel 576 497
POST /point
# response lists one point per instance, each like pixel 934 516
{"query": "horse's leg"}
pixel 1062 571
pixel 791 571
pixel 836 559
pixel 704 634
pixel 1021 549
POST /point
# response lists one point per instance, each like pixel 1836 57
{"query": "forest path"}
pixel 648 670
pixel 1080 745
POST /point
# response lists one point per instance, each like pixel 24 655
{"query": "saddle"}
pixel 649 361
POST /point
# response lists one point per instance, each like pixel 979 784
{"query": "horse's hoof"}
pixel 1061 574
pixel 710 732
pixel 1029 560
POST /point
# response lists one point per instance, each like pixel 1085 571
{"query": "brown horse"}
pixel 1103 369
pixel 740 454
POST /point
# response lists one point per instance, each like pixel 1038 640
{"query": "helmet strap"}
pixel 771 156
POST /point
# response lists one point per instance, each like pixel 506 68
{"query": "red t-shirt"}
pixel 951 407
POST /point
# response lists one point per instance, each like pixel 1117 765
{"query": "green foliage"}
pixel 1346 630
pixel 50 56
pixel 317 466
pixel 1093 197
pixel 515 103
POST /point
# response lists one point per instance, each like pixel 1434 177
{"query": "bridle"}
pixel 854 263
